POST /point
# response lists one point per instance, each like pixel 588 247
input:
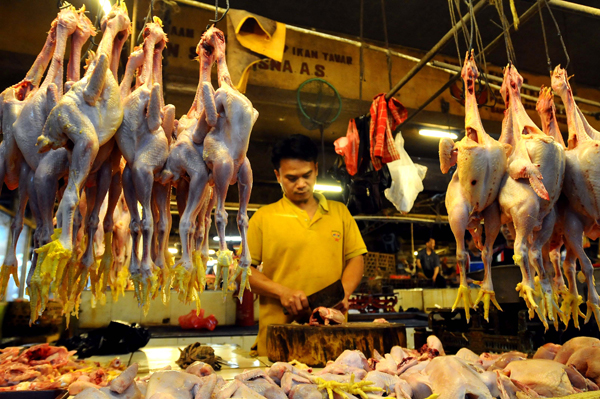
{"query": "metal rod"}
pixel 427 57
pixel 133 37
pixel 578 8
pixel 450 67
pixel 526 15
pixel 405 219
pixel 434 64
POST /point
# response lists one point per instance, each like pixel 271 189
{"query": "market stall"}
pixel 259 201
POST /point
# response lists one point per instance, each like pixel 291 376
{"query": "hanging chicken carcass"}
pixel 88 115
pixel 472 192
pixel 144 145
pixel 582 189
pixel 12 101
pixel 532 185
pixel 186 169
pixel 231 117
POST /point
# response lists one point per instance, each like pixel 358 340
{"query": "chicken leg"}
pixel 525 200
pixel 581 189
pixel 474 186
pixel 232 117
pixel 76 117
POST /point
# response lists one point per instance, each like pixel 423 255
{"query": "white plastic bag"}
pixel 407 179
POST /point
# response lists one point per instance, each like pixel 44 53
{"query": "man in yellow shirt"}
pixel 304 241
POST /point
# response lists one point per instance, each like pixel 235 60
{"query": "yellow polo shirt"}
pixel 299 253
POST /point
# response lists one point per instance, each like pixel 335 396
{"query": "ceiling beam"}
pixel 576 8
pixel 526 15
pixel 435 49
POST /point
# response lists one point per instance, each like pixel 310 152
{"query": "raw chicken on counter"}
pixel 326 316
pixel 402 373
pixel 42 367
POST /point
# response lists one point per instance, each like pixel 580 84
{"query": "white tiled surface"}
pixel 127 309
pixel 439 298
pixel 159 353
pixel 410 298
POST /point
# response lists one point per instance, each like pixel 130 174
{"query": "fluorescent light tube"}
pixel 437 133
pixel 328 187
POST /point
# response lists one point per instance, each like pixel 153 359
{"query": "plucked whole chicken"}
pixel 111 142
pixel 542 190
pixel 472 192
pixel 402 373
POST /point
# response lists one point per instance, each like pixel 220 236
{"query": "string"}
pixel 562 42
pixel 147 19
pixel 387 52
pixel 510 51
pixel 453 21
pixel 545 40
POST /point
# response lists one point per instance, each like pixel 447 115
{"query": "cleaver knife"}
pixel 328 297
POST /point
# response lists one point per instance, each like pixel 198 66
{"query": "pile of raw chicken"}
pixel 547 193
pixel 43 367
pixel 554 371
pixel 100 147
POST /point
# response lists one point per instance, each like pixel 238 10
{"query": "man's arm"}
pixel 351 277
pixel 436 270
pixel 293 300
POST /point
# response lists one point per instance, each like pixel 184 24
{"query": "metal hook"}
pixel 217 20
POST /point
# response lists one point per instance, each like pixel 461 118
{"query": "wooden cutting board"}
pixel 315 345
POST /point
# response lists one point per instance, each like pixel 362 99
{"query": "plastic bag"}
pixel 192 320
pixel 407 179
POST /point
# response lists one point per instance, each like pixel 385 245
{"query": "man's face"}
pixel 507 233
pixel 431 244
pixel 297 179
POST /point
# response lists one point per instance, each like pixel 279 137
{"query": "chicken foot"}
pixel 75 118
pixel 492 224
pixel 161 197
pixel 232 117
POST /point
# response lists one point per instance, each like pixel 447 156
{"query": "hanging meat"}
pixel 186 169
pixel 472 192
pixel 551 251
pixel 29 126
pixel 88 115
pixel 535 173
pixel 231 116
pixel 12 101
pixel 142 140
pixel 582 210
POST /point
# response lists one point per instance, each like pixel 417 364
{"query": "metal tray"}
pixel 49 394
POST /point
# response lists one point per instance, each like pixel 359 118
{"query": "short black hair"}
pixel 296 146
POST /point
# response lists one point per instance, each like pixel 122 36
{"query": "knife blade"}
pixel 328 297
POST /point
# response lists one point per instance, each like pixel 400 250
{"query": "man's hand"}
pixel 344 305
pixel 294 301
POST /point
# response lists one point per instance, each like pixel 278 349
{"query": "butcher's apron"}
pixel 299 253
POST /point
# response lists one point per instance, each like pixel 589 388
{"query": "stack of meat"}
pixel 546 193
pixel 554 371
pixel 100 147
pixel 43 367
